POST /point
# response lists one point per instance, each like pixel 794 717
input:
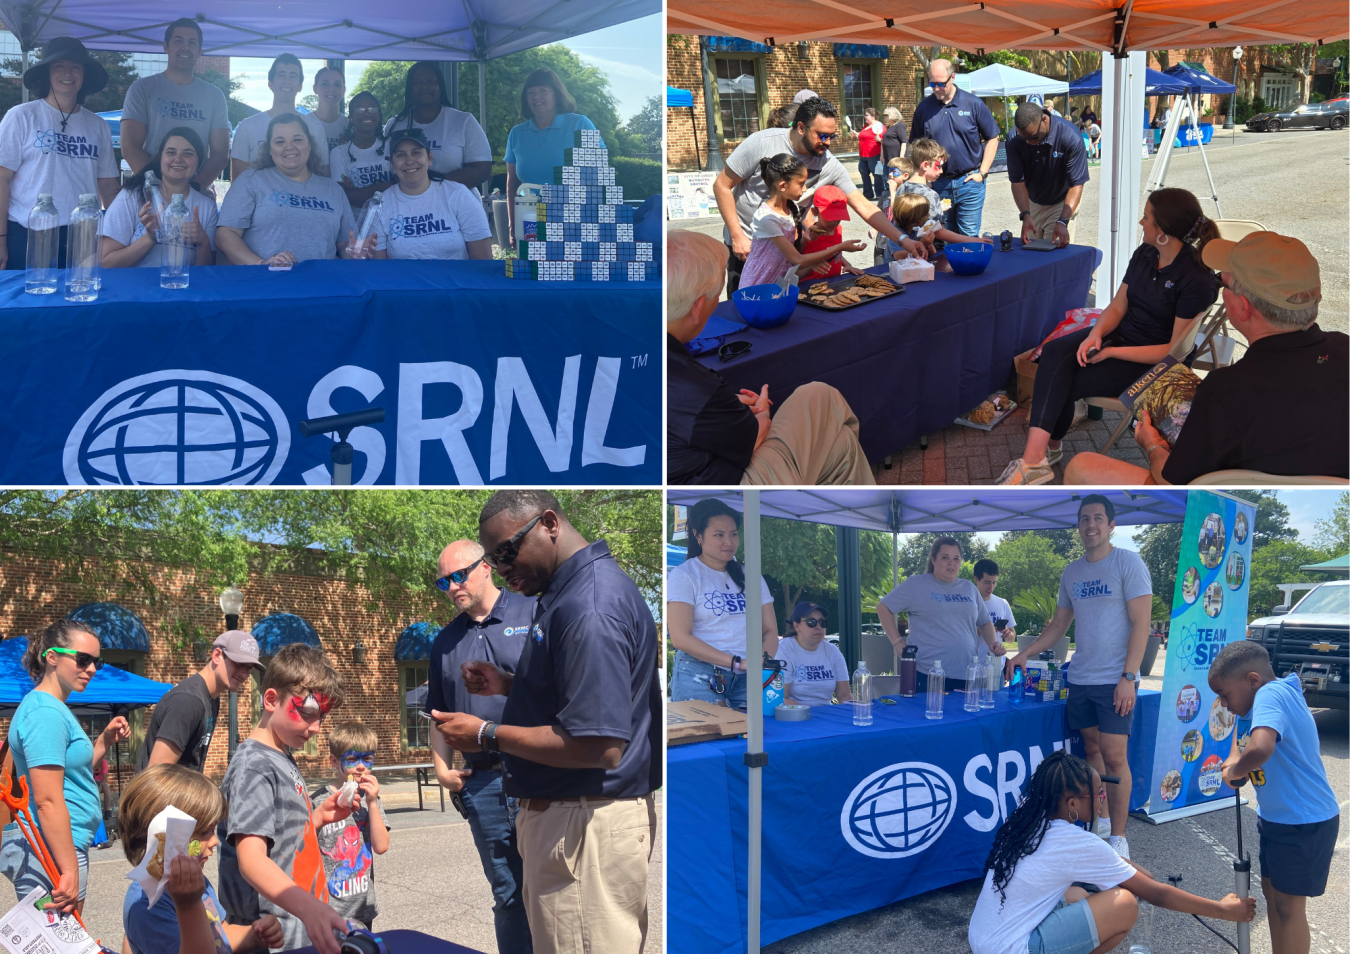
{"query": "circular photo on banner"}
pixel 1236 571
pixel 1240 528
pixel 1190 585
pixel 1192 744
pixel 1171 786
pixel 1221 721
pixel 1211 775
pixel 1211 541
pixel 1213 599
pixel 1188 703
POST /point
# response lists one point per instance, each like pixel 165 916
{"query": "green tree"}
pixel 914 550
pixel 1274 563
pixel 642 132
pixel 1160 548
pixel 1064 542
pixel 236 110
pixel 1333 533
pixel 975 61
pixel 1027 562
pixel 385 78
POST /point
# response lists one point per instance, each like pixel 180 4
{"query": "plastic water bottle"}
pixel 82 252
pixel 174 249
pixel 936 677
pixel 1017 689
pixel 862 694
pixel 44 231
pixel 993 672
pixel 373 208
pixel 974 679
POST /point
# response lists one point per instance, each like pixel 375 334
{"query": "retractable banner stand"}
pixel 1209 610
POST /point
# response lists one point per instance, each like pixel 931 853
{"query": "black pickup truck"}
pixel 1312 639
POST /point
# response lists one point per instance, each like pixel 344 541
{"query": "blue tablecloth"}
pixel 482 378
pixel 855 818
pixel 911 364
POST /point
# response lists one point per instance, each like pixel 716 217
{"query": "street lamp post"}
pixel 1232 100
pixel 231 603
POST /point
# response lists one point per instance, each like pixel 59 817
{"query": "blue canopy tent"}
pixel 114 120
pixel 675 556
pixel 1155 84
pixel 1201 81
pixel 112 691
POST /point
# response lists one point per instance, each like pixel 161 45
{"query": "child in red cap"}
pixel 822 230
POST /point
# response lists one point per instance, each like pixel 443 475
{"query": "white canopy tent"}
pixel 999 79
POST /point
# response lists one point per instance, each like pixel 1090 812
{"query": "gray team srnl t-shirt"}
pixel 279 214
pixel 751 192
pixel 267 798
pixel 1097 592
pixel 943 620
pixel 162 104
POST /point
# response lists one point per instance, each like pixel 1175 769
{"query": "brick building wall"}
pixel 32 596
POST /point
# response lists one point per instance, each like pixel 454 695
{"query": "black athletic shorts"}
pixel 1297 858
pixel 1095 707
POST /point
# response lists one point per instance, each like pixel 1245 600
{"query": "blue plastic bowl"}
pixel 760 309
pixel 969 258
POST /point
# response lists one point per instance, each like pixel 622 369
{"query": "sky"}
pixel 632 54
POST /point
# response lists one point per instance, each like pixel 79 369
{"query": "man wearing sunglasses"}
pixel 490 624
pixel 581 733
pixel 963 125
pixel 184 720
pixel 1047 168
pixel 740 189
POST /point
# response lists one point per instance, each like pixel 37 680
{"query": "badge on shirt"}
pixel 538 634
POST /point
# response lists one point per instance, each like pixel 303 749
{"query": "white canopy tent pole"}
pixel 1123 110
pixel 755 758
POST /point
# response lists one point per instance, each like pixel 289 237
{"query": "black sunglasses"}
pixel 508 551
pixel 82 660
pixel 458 577
pixel 732 349
pixel 813 623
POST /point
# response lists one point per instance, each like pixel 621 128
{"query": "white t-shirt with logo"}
pixel 363 167
pixel 122 221
pixel 454 136
pixel 1097 594
pixel 435 224
pixel 810 676
pixel 46 160
pixel 719 605
pixel 251 134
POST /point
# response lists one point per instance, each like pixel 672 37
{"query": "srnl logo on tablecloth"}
pixel 899 810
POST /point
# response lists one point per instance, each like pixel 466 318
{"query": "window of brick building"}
pixel 412 683
pixel 857 82
pixel 738 98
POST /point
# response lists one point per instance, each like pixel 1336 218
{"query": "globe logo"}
pixel 178 427
pixel 899 810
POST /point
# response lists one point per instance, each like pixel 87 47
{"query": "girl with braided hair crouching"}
pixel 1032 901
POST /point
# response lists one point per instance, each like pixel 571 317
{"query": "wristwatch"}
pixel 1063 222
pixel 1130 676
pixel 490 737
pixel 1022 215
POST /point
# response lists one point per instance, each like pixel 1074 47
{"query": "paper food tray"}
pixel 966 422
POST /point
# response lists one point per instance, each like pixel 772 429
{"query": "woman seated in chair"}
pixel 1166 289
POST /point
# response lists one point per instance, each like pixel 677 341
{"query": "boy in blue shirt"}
pixel 1276 747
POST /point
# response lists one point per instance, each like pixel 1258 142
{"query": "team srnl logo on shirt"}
pixel 300 201
pixel 950 598
pixel 814 673
pixel 412 226
pixel 1090 589
pixel 363 176
pixel 76 147
pixel 724 604
pixel 174 110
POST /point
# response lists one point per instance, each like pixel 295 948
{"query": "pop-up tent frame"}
pixel 896 512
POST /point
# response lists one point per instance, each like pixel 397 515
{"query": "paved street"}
pixel 430 880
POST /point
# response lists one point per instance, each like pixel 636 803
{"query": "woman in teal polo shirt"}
pixel 535 146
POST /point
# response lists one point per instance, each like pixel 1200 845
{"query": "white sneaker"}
pixel 1120 846
pixel 1018 473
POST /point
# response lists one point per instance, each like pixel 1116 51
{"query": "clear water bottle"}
pixel 1017 690
pixel 174 249
pixel 374 206
pixel 44 232
pixel 975 678
pixel 82 252
pixel 862 694
pixel 936 677
pixel 993 681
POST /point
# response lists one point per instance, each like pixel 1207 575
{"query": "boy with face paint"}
pixel 270 861
pixel 349 844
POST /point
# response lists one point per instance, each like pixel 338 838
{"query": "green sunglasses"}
pixel 82 660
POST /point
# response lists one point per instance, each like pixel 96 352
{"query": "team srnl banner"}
pixel 1209 610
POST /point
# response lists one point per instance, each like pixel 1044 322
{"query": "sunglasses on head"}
pixel 732 349
pixel 82 660
pixel 812 623
pixel 459 576
pixel 508 551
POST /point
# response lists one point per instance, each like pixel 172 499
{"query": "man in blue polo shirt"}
pixel 491 624
pixel 1047 167
pixel 963 125
pixel 580 736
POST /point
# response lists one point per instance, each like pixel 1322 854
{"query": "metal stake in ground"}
pixel 343 454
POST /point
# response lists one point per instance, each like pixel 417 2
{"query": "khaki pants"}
pixel 1044 217
pixel 813 439
pixel 584 866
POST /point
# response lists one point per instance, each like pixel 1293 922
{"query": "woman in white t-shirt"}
pixel 814 671
pixel 131 224
pixel 426 215
pixel 1031 900
pixel 454 136
pixel 705 611
pixel 360 163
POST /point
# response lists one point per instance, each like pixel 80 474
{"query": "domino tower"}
pixel 584 231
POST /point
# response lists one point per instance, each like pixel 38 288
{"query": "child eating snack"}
pixel 913 217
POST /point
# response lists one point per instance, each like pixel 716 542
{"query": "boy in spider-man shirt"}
pixel 347 844
pixel 270 862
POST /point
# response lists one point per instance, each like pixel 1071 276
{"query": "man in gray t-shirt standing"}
pixel 155 104
pixel 740 190
pixel 1109 592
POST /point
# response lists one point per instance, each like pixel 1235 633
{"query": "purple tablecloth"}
pixel 911 364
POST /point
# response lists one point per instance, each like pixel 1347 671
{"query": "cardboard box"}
pixel 1026 377
pixel 697 721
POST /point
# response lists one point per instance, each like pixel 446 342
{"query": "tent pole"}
pixel 22 87
pixel 895 567
pixel 1120 124
pixel 754 698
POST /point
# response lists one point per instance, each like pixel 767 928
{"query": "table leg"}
pixel 420 777
pixel 923 442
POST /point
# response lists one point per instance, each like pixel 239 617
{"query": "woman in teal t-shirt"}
pixel 536 146
pixel 56 755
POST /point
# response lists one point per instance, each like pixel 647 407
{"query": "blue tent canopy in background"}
pixel 1201 81
pixel 282 629
pixel 414 643
pixel 679 98
pixel 116 626
pixel 112 691
pixel 675 555
pixel 1156 84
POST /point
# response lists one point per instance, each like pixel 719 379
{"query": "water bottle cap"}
pixel 87 197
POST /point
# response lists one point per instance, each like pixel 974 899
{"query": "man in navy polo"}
pixel 1047 167
pixel 580 736
pixel 491 624
pixel 963 125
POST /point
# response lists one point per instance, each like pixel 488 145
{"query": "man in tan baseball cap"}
pixel 1282 409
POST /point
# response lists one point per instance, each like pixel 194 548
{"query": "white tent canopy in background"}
pixel 322 29
pixel 998 79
